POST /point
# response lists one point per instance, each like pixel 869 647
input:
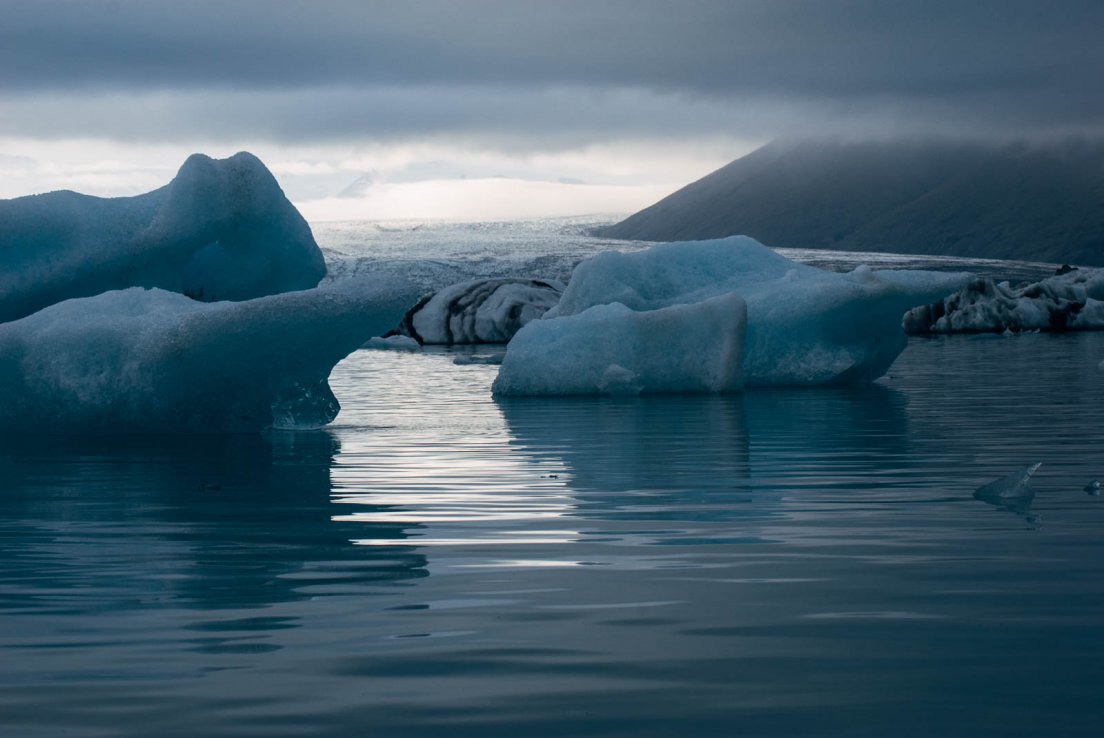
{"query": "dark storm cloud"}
pixel 514 118
pixel 1026 65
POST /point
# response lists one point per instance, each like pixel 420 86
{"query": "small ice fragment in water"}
pixel 1012 493
pixel 392 343
pixel 1093 488
pixel 470 359
pixel 1014 486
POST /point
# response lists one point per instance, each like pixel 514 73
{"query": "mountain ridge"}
pixel 1040 201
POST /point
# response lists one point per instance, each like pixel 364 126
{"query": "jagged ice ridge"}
pixel 1073 300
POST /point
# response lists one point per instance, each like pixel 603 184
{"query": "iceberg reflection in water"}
pixel 440 562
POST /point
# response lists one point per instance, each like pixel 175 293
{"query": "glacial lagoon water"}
pixel 441 562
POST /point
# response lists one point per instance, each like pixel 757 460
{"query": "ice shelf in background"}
pixel 221 230
pixel 804 325
pixel 1071 300
pixel 480 311
pixel 139 360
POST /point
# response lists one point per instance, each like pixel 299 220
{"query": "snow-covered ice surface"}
pixel 841 261
pixel 221 230
pixel 481 311
pixel 1070 301
pixel 150 360
pixel 437 254
pixel 612 349
pixel 804 325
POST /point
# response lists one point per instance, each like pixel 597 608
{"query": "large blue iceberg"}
pixel 192 308
pixel 221 230
pixel 611 349
pixel 804 326
pixel 139 360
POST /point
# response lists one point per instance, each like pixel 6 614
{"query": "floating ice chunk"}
pixel 1093 488
pixel 1014 486
pixel 474 359
pixel 1071 300
pixel 392 343
pixel 611 349
pixel 221 230
pixel 804 325
pixel 149 360
pixel 483 311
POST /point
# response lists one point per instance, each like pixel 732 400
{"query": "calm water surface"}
pixel 801 562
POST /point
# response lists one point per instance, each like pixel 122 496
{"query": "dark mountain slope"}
pixel 1040 202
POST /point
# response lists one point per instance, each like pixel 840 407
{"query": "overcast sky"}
pixel 380 109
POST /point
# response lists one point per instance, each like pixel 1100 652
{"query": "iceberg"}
pixel 140 360
pixel 1072 299
pixel 804 326
pixel 480 311
pixel 1015 485
pixel 392 343
pixel 612 349
pixel 1012 493
pixel 221 230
